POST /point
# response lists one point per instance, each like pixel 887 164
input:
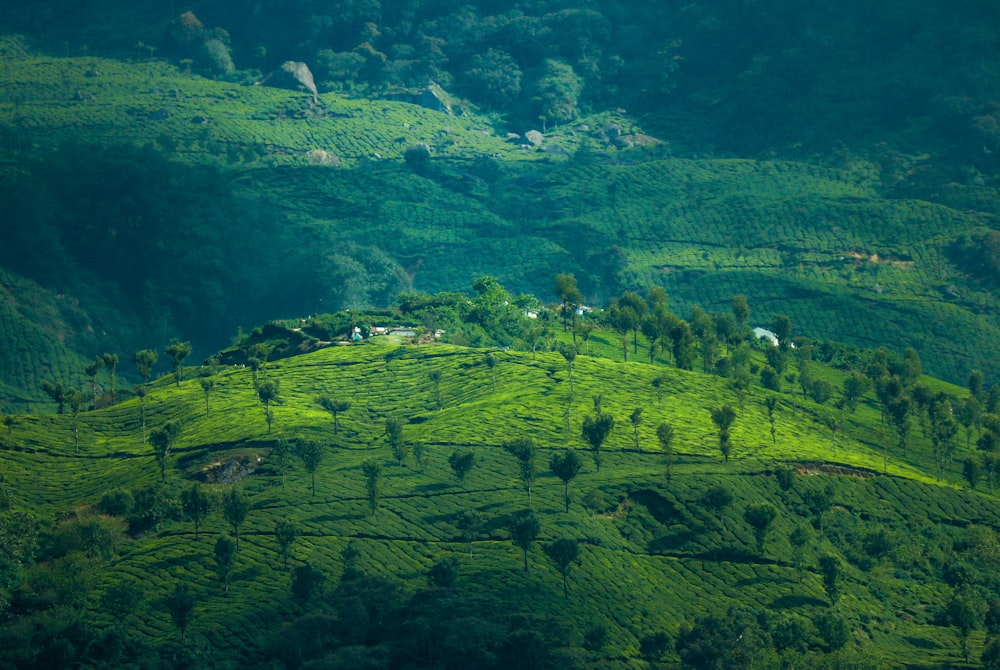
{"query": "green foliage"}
pixel 523 527
pixel 523 449
pixel 372 470
pixel 461 463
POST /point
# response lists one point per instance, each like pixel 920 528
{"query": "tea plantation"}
pixel 660 550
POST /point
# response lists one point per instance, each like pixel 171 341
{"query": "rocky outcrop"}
pixel 293 75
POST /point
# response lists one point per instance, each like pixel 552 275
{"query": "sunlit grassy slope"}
pixel 653 557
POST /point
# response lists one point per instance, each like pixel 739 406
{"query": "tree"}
pixel 523 449
pixel 568 352
pixel 206 385
pixel 799 538
pixel 653 647
pixel 225 560
pixel 723 418
pixel 829 567
pixel 665 436
pixel 855 386
pixel 267 391
pixel 92 371
pixel 161 440
pixel 717 499
pixel 397 442
pixel 659 381
pixel 122 600
pixel 595 431
pixel 144 360
pixel 760 516
pixel 196 505
pixel 372 469
pixel 734 641
pixel 335 408
pixel 570 298
pixel 111 363
pixel 782 327
pixel 565 466
pixel 563 552
pixel 554 91
pixel 435 377
pixel 966 612
pixel 972 471
pixel 771 404
pixel 285 534
pixel 461 463
pixel 444 573
pixel 76 400
pixel 180 604
pixel 307 582
pixel 491 363
pixel 311 454
pixel 635 418
pixel 741 311
pixel 524 528
pixel 58 392
pixel 235 508
pixel 469 522
pixel 178 351
pixel 281 450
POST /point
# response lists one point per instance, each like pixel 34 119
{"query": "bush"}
pixel 117 503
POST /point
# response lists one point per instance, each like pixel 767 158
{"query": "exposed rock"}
pixel 320 157
pixel 637 140
pixel 535 137
pixel 433 97
pixel 294 76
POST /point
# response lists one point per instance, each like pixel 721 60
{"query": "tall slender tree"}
pixel 161 440
pixel 235 508
pixel 285 534
pixel 111 363
pixel 523 449
pixel 461 463
pixel 565 466
pixel 225 560
pixel 178 351
pixel 372 469
pixel 570 298
pixel 196 505
pixel 563 552
pixel 144 360
pixel 635 418
pixel 267 391
pixel 524 528
pixel 206 385
pixel 595 431
pixel 723 418
pixel 335 407
pixel 92 370
pixel 311 454
pixel 180 605
pixel 397 441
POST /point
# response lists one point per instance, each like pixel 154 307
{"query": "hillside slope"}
pixel 654 555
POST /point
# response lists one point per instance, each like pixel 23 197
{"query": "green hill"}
pixel 226 170
pixel 653 555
